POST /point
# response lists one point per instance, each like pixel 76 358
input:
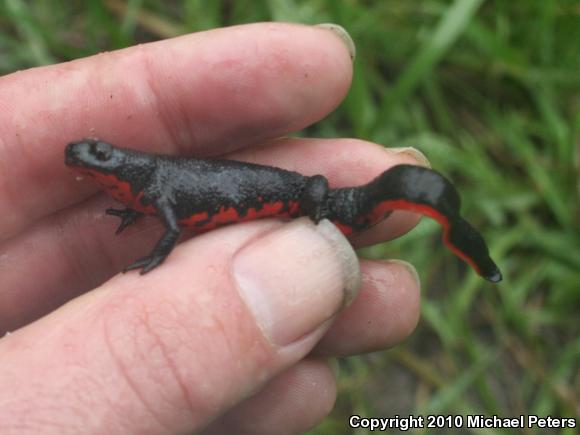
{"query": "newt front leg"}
pixel 165 245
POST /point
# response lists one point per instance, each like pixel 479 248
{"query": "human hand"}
pixel 233 333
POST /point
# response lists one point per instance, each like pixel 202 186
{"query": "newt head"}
pixel 94 154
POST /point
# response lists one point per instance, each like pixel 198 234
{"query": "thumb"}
pixel 171 351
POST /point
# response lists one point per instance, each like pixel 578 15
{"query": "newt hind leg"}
pixel 313 201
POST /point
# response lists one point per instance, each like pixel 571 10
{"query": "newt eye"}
pixel 102 150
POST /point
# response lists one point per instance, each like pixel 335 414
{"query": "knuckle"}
pixel 160 355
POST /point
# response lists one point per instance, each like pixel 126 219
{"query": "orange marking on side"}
pixel 230 215
pixel 120 190
pixel 378 213
pixel 194 219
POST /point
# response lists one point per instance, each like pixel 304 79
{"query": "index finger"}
pixel 206 93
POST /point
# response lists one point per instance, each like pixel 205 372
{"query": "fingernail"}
pixel 343 35
pixel 414 153
pixel 296 277
pixel 410 268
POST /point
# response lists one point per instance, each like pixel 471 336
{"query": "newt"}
pixel 203 194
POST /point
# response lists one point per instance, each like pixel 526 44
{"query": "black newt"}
pixel 203 194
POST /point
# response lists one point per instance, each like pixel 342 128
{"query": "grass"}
pixel 490 92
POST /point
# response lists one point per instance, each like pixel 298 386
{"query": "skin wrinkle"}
pixel 188 393
pixel 169 362
pixel 60 243
pixel 237 76
pixel 242 311
pixel 222 347
pixel 39 425
pixel 10 192
pixel 283 400
pixel 77 382
pixel 199 407
pixel 407 323
pixel 9 202
pixel 174 123
pixel 104 253
pixel 231 337
pixel 39 416
pixel 124 371
pixel 391 289
pixel 246 92
pixel 63 241
pixel 132 100
pixel 84 386
pixel 229 340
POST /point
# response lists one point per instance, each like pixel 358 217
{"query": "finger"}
pixel 292 403
pixel 76 249
pixel 204 93
pixel 171 351
pixel 385 312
